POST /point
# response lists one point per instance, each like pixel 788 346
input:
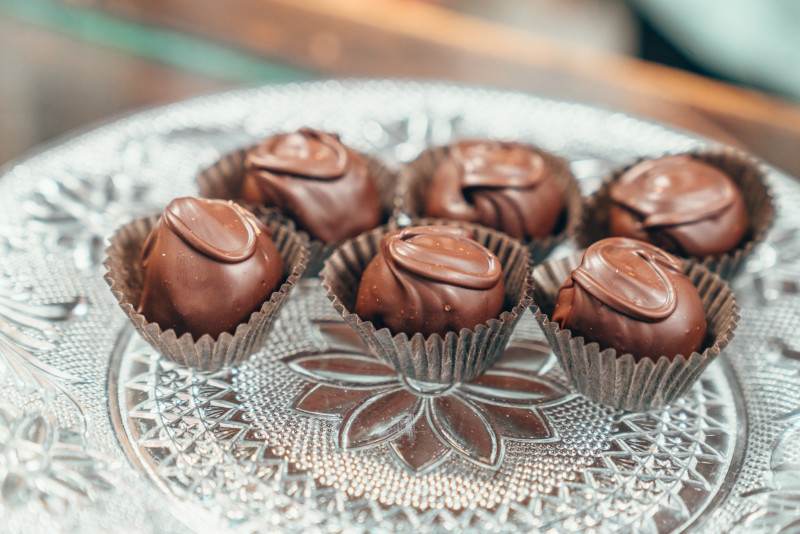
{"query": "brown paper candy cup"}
pixel 456 357
pixel 749 176
pixel 125 278
pixel 618 380
pixel 416 177
pixel 225 177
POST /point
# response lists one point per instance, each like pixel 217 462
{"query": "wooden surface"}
pixel 417 39
pixel 50 84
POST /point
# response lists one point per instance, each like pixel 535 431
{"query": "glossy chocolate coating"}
pixel 680 204
pixel 430 279
pixel 506 186
pixel 633 297
pixel 208 264
pixel 311 176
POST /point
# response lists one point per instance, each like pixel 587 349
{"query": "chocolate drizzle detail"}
pixel 674 190
pixel 630 277
pixel 306 153
pixel 443 254
pixel 221 230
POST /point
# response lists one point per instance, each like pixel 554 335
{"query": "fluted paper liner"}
pixel 747 173
pixel 456 357
pixel 125 278
pixel 225 177
pixel 416 177
pixel 618 380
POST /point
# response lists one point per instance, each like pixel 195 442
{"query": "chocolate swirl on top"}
pixel 633 297
pixel 311 176
pixel 679 203
pixel 630 277
pixel 220 230
pixel 305 153
pixel 504 185
pixel 431 279
pixel 444 254
pixel 208 264
pixel 498 164
pixel 674 190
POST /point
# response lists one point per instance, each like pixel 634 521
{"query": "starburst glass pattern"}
pixel 43 464
pixel 27 329
pixel 78 210
pixel 192 431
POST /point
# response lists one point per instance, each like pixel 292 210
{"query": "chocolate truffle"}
pixel 208 264
pixel 316 180
pixel 633 297
pixel 430 279
pixel 502 185
pixel 681 204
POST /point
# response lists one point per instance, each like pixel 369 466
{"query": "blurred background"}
pixel 728 69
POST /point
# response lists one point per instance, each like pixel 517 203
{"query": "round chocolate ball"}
pixel 320 183
pixel 208 264
pixel 430 279
pixel 681 204
pixel 503 185
pixel 633 297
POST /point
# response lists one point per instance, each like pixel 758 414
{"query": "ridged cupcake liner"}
pixel 456 357
pixel 125 278
pixel 415 179
pixel 618 380
pixel 749 176
pixel 225 177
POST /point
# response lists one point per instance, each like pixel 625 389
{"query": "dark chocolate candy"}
pixel 502 185
pixel 633 297
pixel 208 264
pixel 316 180
pixel 430 279
pixel 680 204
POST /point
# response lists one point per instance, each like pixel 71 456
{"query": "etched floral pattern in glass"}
pixel 423 423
